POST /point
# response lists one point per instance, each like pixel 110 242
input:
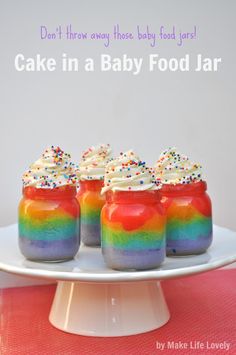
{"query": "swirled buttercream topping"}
pixel 53 169
pixel 174 168
pixel 127 173
pixel 93 162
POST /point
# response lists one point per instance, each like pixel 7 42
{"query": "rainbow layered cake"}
pixel 133 220
pixel 187 205
pixel 49 214
pixel 92 170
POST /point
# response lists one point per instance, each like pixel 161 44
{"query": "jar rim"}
pixel 130 197
pixel 193 188
pixel 60 192
pixel 91 184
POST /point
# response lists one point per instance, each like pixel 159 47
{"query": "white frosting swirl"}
pixel 93 162
pixel 174 168
pixel 127 173
pixel 53 169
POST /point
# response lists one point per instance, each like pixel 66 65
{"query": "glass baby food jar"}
pixel 91 202
pixel 133 230
pixel 189 218
pixel 49 223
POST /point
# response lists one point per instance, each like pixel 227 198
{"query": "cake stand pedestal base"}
pixel 109 309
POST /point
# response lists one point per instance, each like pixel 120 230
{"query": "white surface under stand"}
pixel 93 300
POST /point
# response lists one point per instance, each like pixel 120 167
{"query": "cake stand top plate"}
pixel 89 266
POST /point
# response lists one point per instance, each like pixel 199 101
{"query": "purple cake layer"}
pixel 187 246
pixel 127 259
pixel 91 234
pixel 55 250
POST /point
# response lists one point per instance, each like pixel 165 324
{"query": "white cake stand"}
pixel 93 300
